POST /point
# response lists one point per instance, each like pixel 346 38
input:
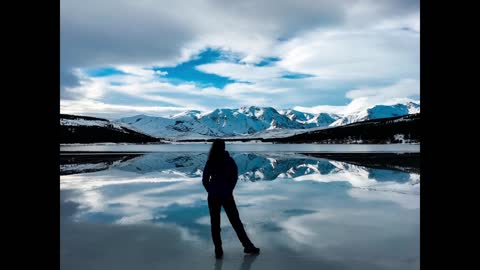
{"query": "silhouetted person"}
pixel 219 179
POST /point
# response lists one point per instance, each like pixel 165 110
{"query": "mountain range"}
pixel 86 129
pixel 253 121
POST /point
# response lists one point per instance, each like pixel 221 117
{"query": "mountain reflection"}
pixel 251 166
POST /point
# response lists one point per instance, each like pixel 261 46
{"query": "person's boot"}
pixel 251 250
pixel 218 252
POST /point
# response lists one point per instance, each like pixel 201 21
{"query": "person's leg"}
pixel 214 205
pixel 232 214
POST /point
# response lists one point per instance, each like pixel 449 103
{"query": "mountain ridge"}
pixel 249 120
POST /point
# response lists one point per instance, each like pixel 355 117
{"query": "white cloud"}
pixel 141 83
pixel 101 109
pixel 344 44
pixel 145 32
pixel 403 88
pixel 161 73
pixel 364 98
pixel 353 54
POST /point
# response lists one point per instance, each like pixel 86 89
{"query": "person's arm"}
pixel 206 177
pixel 234 177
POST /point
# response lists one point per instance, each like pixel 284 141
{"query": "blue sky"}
pixel 315 56
pixel 186 71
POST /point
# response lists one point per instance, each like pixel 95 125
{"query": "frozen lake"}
pixel 149 211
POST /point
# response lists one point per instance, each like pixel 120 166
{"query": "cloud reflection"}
pixel 311 206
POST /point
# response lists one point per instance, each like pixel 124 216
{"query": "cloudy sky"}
pixel 124 57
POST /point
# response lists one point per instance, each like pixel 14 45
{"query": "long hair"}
pixel 216 157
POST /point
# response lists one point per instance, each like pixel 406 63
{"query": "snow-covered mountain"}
pixel 85 129
pixel 227 122
pixel 184 125
pixel 378 111
pixel 252 121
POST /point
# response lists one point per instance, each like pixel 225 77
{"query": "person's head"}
pixel 217 151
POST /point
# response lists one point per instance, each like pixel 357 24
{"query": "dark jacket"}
pixel 220 182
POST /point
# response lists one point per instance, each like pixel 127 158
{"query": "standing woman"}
pixel 219 179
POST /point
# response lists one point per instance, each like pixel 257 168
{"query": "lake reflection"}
pixel 149 211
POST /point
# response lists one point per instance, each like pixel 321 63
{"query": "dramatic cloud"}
pixel 363 98
pixel 115 54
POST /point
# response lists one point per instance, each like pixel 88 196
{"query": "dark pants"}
pixel 214 205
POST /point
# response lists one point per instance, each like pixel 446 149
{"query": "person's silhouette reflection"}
pixel 246 263
pixel 218 264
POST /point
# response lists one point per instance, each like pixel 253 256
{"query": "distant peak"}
pixel 256 108
pixel 192 113
pixel 140 116
pixel 249 108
